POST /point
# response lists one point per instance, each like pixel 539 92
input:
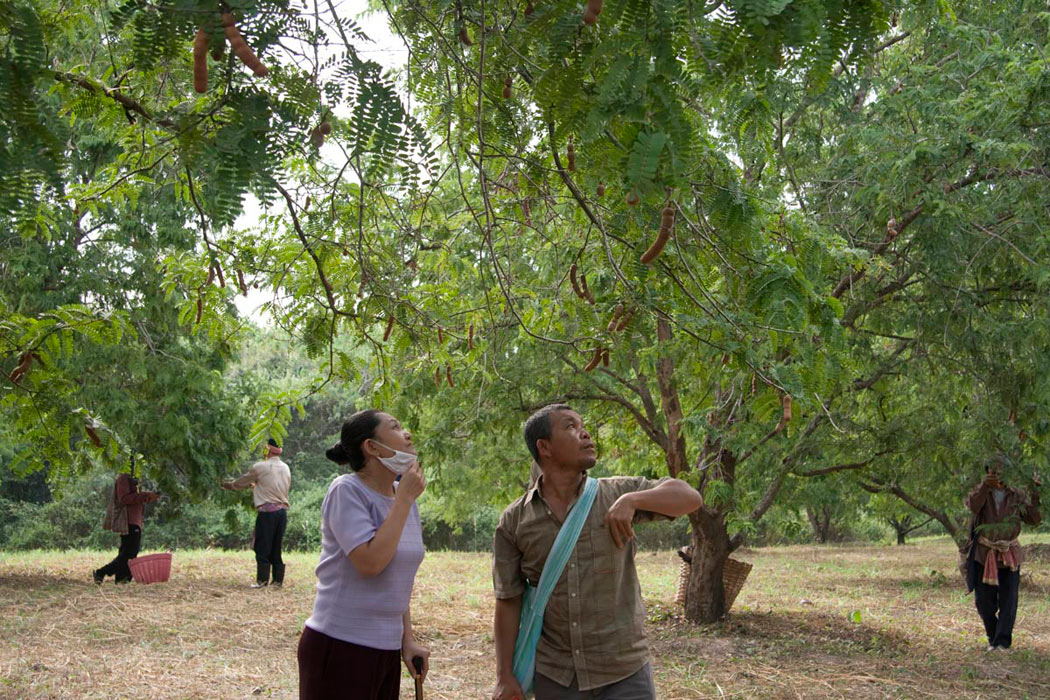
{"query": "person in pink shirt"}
pixel 124 516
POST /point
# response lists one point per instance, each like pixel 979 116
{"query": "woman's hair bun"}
pixel 338 454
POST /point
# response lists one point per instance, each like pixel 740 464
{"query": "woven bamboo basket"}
pixel 734 574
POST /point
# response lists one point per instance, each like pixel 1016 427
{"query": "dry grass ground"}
pixel 812 622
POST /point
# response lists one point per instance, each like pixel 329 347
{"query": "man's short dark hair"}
pixel 538 427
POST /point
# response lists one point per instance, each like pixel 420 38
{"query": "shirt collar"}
pixel 534 490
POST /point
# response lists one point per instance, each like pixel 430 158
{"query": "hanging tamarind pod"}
pixel 666 224
pixel 316 137
pixel 211 275
pixel 586 291
pixel 200 309
pixel 218 273
pixel 785 403
pixel 575 282
pixel 437 377
pixel 625 320
pixel 600 189
pixel 570 156
pixel 325 128
pixel 93 436
pixel 605 357
pixel 595 359
pixel 200 61
pixel 508 85
pixel 464 36
pixel 617 312
pixel 441 336
pixel 25 362
pixel 448 375
pixel 240 282
pixel 240 47
pixel 389 327
pixel 633 199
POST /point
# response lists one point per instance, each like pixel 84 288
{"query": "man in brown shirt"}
pixel 995 556
pixel 593 641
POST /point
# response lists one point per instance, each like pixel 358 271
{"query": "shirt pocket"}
pixel 604 554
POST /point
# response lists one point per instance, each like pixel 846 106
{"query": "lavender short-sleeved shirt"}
pixel 349 606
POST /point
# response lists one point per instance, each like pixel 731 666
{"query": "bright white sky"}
pixel 387 50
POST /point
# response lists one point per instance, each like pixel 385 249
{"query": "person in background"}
pixel 995 555
pixel 124 516
pixel 371 548
pixel 270 480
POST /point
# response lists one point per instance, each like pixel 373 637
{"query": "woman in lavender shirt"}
pixel 371 546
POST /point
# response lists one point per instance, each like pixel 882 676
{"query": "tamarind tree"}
pixel 759 240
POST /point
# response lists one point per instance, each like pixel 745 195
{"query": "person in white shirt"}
pixel 270 480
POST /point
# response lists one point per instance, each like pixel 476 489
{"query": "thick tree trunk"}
pixel 820 521
pixel 704 594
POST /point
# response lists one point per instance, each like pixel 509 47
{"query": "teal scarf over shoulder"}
pixel 535 599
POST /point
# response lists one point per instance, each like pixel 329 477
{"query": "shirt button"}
pixel 573 565
pixel 573 624
pixel 577 651
pixel 573 595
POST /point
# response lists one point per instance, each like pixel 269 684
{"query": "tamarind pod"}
pixel 211 275
pixel 240 47
pixel 240 282
pixel 625 320
pixel 325 128
pixel 595 359
pixel 25 361
pixel 200 310
pixel 666 224
pixel 615 318
pixel 525 210
pixel 218 272
pixel 658 245
pixel 316 138
pixel 200 61
pixel 570 154
pixel 437 377
pixel 508 81
pixel 633 199
pixel 605 357
pixel 586 291
pixel 601 189
pixel 464 36
pixel 589 16
pixel 575 283
pixel 441 336
pixel 891 228
pixel 448 375
pixel 753 383
pixel 93 436
pixel 507 92
pixel 389 327
pixel 595 6
pixel 785 402
pixel 470 337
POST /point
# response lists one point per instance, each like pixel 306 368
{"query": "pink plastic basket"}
pixel 152 568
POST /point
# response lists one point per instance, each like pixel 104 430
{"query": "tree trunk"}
pixel 901 534
pixel 820 521
pixel 704 594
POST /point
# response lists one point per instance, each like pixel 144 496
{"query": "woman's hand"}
pixel 412 649
pixel 412 483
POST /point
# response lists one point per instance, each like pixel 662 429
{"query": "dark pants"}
pixel 269 533
pixel 331 669
pixel 1001 599
pixel 637 686
pixel 129 549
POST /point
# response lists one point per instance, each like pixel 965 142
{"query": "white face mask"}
pixel 400 463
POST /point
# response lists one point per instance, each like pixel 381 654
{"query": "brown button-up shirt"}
pixel 594 623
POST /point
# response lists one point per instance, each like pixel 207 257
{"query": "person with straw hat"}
pixel 270 479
